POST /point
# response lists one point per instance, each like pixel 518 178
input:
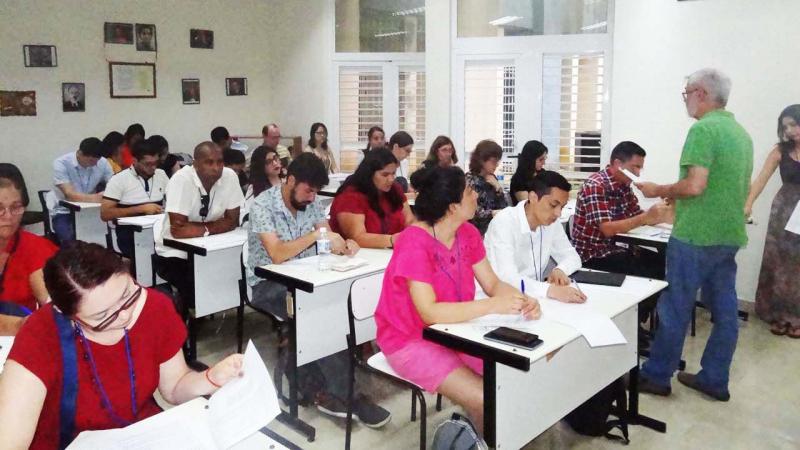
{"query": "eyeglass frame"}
pixel 685 94
pixel 10 210
pixel 115 315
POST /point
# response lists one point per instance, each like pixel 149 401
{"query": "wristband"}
pixel 391 241
pixel 210 381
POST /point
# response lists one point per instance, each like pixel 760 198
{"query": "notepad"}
pixel 343 264
pixel 793 225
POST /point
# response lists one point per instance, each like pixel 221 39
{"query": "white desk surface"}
pixel 141 221
pixel 609 301
pixel 658 233
pixel 5 347
pixel 214 242
pixel 78 205
pixel 305 269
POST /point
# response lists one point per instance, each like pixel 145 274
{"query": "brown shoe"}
pixel 690 380
pixel 648 387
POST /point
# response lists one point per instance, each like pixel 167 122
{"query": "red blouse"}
pixel 31 254
pixel 127 156
pixel 156 337
pixel 353 201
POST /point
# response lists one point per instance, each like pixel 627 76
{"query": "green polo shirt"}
pixel 716 217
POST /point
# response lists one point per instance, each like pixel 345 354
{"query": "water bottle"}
pixel 324 250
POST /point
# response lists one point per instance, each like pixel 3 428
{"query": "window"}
pixel 380 26
pixel 411 104
pixel 360 108
pixel 489 108
pixel 572 113
pixel 498 18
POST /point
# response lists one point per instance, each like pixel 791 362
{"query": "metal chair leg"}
pixel 438 402
pixel 413 406
pixel 423 422
pixel 350 389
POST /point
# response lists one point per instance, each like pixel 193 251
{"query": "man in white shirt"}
pixel 202 199
pixel 135 191
pixel 521 239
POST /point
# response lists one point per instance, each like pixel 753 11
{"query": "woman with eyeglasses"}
pixel 318 145
pixel 22 255
pixel 442 152
pixel 266 169
pixel 93 358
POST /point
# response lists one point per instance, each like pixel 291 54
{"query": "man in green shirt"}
pixel 715 169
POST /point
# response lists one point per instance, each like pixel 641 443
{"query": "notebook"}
pixel 602 278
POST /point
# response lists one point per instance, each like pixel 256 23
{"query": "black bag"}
pixel 591 417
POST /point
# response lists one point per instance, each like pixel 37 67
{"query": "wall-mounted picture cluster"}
pixel 143 34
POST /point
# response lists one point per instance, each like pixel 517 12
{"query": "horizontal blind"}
pixel 360 108
pixel 489 108
pixel 411 104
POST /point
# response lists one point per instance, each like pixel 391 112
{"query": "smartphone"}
pixel 517 338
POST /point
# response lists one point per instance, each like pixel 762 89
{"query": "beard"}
pixel 296 204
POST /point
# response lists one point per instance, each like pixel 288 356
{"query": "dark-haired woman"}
pixel 318 145
pixel 376 138
pixel 531 162
pixel 22 255
pixel 442 152
pixel 105 340
pixel 430 279
pixel 369 206
pixel 266 169
pixel 133 134
pixel 778 294
pixel 491 196
pixel 401 144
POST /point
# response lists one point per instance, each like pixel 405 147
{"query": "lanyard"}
pixel 104 401
pixel 145 184
pixel 456 282
pixel 536 268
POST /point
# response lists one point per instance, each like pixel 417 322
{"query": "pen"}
pixel 577 286
pixel 522 286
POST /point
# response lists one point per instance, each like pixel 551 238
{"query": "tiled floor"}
pixel 763 413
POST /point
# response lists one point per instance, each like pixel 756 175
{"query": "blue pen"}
pixel 522 286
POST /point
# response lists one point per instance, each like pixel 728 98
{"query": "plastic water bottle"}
pixel 324 250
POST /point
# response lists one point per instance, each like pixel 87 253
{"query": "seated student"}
pixel 376 138
pixel 491 196
pixel 266 170
pixel 78 176
pixel 202 199
pixel 318 145
pixel 522 239
pixel 284 225
pixel 136 191
pixel 22 255
pixel 133 134
pixel 171 165
pixel 530 162
pixel 160 143
pixel 112 150
pixel 401 144
pixel 221 137
pixel 234 160
pixel 369 206
pixel 271 134
pixel 442 152
pixel 124 342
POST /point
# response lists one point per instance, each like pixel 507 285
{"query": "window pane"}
pixel 489 103
pixel 412 112
pixel 380 26
pixel 498 18
pixel 360 108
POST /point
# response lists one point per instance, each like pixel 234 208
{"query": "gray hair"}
pixel 714 82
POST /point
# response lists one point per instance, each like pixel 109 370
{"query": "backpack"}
pixel 591 417
pixel 457 433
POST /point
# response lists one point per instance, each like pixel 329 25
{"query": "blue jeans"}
pixel 64 228
pixel 689 268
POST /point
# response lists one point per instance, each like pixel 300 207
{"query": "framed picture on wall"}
pixel 17 103
pixel 191 91
pixel 201 38
pixel 73 97
pixel 235 86
pixel 118 33
pixel 145 37
pixel 40 55
pixel 132 80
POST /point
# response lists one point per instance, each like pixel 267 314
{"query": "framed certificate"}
pixel 132 80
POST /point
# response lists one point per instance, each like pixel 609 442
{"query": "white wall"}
pixel 76 28
pixel 657 43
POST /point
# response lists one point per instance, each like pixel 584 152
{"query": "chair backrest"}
pixel 364 295
pixel 48 225
pixel 248 291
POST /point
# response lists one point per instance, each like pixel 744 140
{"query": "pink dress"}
pixel 418 256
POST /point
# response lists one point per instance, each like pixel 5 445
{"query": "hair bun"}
pixel 424 177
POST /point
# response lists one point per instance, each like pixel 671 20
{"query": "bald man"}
pixel 201 200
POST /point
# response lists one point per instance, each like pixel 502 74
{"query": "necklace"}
pixel 456 282
pixel 104 401
pixel 536 268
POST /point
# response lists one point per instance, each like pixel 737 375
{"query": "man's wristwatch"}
pixel 207 232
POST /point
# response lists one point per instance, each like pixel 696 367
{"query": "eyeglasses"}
pixel 204 201
pixel 273 159
pixel 687 93
pixel 110 319
pixel 320 133
pixel 13 210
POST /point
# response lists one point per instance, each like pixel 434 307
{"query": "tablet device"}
pixel 602 278
pixel 517 338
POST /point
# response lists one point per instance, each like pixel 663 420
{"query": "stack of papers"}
pixel 345 263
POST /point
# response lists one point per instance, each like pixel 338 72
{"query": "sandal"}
pixel 780 329
pixel 793 333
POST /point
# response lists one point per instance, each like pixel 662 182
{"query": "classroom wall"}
pixel 241 34
pixel 657 43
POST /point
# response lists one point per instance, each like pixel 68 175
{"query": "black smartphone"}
pixel 514 337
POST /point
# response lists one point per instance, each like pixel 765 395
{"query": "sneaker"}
pixel 690 380
pixel 648 387
pixel 370 414
pixel 331 405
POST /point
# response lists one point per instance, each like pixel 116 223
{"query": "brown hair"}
pixel 441 141
pixel 484 151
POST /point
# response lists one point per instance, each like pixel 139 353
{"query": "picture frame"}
pixel 235 86
pixel 201 39
pixel 132 80
pixel 73 97
pixel 118 33
pixel 17 103
pixel 146 37
pixel 190 89
pixel 40 55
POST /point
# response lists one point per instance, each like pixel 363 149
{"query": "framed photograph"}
pixel 145 37
pixel 40 55
pixel 201 38
pixel 73 97
pixel 236 86
pixel 191 91
pixel 132 80
pixel 118 33
pixel 17 103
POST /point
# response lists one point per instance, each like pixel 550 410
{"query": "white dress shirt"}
pixel 517 253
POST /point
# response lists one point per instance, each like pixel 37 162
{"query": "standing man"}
pixel 78 176
pixel 715 168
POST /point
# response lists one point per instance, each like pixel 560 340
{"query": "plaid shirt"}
pixel 601 199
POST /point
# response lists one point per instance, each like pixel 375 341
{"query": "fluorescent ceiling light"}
pixel 395 33
pixel 505 20
pixel 594 26
pixel 408 12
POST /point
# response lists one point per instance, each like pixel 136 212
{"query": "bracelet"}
pixel 391 241
pixel 209 379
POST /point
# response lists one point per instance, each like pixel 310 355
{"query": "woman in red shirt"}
pixel 22 254
pixel 370 207
pixel 93 358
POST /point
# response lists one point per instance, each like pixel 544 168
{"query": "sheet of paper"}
pixel 793 225
pixel 629 174
pixel 345 263
pixel 142 220
pixel 245 405
pixel 5 346
pixel 598 329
